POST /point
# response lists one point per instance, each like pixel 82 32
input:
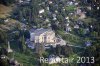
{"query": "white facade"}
pixel 43 36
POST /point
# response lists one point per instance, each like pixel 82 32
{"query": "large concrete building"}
pixel 43 36
pixel 46 37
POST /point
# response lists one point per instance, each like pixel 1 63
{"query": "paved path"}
pixel 76 46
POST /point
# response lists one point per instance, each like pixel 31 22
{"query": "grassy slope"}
pixel 26 60
pixel 4 11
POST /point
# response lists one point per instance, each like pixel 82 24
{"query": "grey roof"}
pixel 32 30
pixel 39 31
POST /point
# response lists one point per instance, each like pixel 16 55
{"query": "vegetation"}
pixel 7 2
pixel 12 30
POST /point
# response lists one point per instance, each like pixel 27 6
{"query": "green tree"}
pixel 3 38
pixel 7 2
pixel 40 48
pixel 22 44
pixel 58 50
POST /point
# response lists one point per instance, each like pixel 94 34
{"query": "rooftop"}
pixel 39 31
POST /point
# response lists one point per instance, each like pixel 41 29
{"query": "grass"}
pixel 10 25
pixel 4 11
pixel 89 20
pixel 26 60
pixel 70 38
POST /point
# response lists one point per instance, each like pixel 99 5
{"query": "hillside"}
pixel 5 11
pixel 71 20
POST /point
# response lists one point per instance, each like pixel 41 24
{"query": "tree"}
pixel 58 50
pixel 93 50
pixel 3 38
pixel 3 51
pixel 7 2
pixel 40 48
pixel 66 51
pixel 22 44
pixel 26 34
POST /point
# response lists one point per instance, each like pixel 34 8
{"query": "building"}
pixel 88 43
pixel 46 37
pixel 41 11
pixel 76 26
pixel 42 36
pixel 68 29
pixel 14 62
pixel 82 16
pixel 23 1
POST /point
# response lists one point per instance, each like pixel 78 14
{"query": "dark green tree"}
pixel 58 50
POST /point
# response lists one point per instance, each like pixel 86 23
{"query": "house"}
pixel 68 29
pixel 47 19
pixel 82 16
pixel 50 2
pixel 41 11
pixel 88 43
pixel 48 8
pixel 86 30
pixel 54 18
pixel 6 20
pixel 76 4
pixel 3 57
pixel 23 1
pixel 98 8
pixel 78 11
pixel 70 3
pixel 66 17
pixel 14 62
pixel 56 11
pixel 89 8
pixel 11 61
pixel 76 26
pixel 20 1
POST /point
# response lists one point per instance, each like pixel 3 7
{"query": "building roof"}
pixel 39 31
